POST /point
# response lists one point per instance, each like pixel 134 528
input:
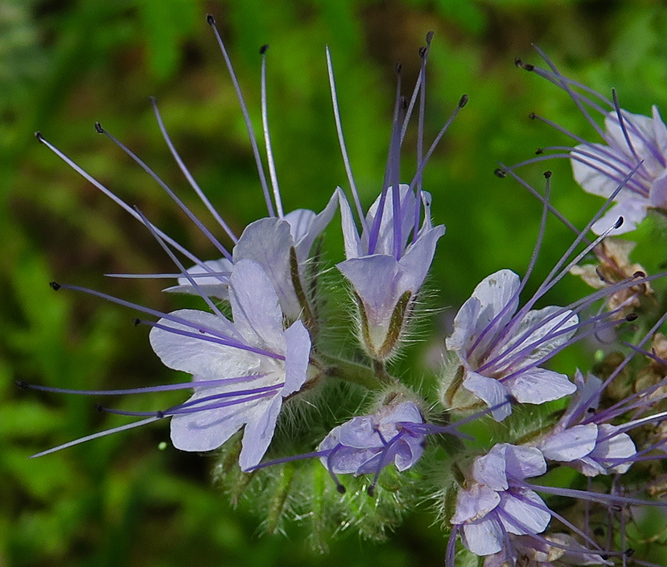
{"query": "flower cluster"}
pixel 260 355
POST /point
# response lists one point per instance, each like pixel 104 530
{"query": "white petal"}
pixel 570 444
pixel 258 433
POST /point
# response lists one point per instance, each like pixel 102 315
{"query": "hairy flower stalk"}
pixel 631 142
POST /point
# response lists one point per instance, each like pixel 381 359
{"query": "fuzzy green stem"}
pixel 357 374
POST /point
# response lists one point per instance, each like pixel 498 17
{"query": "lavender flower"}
pixel 634 145
pixel 495 503
pixel 367 444
pixel 258 366
pixel 500 350
pixel 388 260
pixel 385 270
pixel 583 444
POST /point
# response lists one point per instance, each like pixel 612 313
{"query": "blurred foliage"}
pixel 65 64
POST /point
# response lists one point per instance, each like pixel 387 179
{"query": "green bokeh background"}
pixel 65 64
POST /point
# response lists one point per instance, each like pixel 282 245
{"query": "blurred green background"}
pixel 66 64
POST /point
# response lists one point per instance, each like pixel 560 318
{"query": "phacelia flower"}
pixel 389 258
pixel 366 444
pixel 589 447
pixel 634 153
pixel 500 350
pixel 385 270
pixel 254 362
pixel 494 503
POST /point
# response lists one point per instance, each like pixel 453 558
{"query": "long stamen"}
pixel 187 174
pixel 96 436
pixel 341 143
pixel 388 175
pixel 246 116
pixel 114 197
pixel 180 266
pixel 267 138
pixel 145 390
pixel 165 187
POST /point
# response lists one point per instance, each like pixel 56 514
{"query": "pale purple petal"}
pixel 633 211
pixel 613 446
pixel 255 306
pixel 259 432
pixel 297 357
pixel 268 241
pixel 208 430
pixel 524 513
pixel 570 444
pixel 538 385
pixel 307 226
pixel 353 248
pixel 491 391
pixel 483 537
pixel 475 503
pixel 523 462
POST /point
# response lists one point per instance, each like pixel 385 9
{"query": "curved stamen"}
pixel 267 138
pixel 246 116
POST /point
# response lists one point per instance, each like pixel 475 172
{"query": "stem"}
pixel 356 373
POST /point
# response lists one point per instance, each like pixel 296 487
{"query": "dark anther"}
pixel 532 116
pixel 136 321
pixel 429 37
pixel 599 531
pixel 98 128
pixel 463 101
pixel 604 556
pixel 423 51
pixel 539 151
pixel 99 407
pixel 547 174
pixel 21 384
pixel 518 62
pixel 629 552
pixel 591 410
pixel 55 286
pixel 399 67
pixel 202 331
pixel 403 103
pixel 159 414
pixel 631 317
pixel 639 274
pixel 500 173
pixel 340 488
pixel 39 137
pixel 210 20
pixel 152 100
pixel 619 222
pixel 263 49
pixel 598 271
pixel 371 490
